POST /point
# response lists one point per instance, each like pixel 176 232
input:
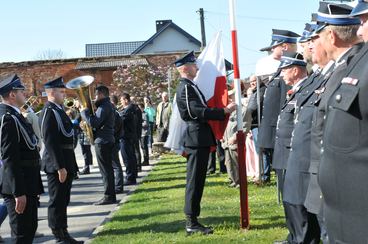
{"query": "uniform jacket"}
pixel 129 117
pixel 33 119
pixel 285 127
pixel 196 114
pixel 102 122
pixel 343 170
pixel 20 169
pixel 59 150
pixel 252 107
pixel 274 98
pixel 314 199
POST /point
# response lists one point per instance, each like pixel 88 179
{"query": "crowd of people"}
pixel 304 113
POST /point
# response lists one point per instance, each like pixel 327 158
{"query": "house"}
pixel 169 38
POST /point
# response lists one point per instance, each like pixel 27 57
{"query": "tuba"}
pixel 69 102
pixel 82 87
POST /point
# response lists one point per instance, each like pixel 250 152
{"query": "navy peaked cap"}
pixel 334 14
pixel 307 33
pixel 281 36
pixel 56 83
pixel 292 58
pixel 360 8
pixel 188 58
pixel 11 82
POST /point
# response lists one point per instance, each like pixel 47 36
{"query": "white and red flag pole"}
pixel 244 208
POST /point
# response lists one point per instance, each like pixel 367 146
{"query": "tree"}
pixel 50 54
pixel 142 80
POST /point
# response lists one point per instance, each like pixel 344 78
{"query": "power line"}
pixel 229 39
pixel 258 18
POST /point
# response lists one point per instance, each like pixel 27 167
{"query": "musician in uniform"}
pixel 103 123
pixel 198 138
pixel 274 98
pixel 58 159
pixel 20 179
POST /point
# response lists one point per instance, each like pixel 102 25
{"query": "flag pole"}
pixel 244 209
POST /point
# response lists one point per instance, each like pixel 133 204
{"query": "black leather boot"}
pixel 71 239
pixel 59 236
pixel 85 170
pixel 193 226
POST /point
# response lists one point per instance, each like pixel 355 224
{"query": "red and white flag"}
pixel 211 80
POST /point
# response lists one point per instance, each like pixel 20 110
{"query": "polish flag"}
pixel 211 80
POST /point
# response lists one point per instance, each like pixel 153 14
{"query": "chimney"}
pixel 162 23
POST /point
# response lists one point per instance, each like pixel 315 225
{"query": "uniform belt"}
pixel 67 146
pixel 30 162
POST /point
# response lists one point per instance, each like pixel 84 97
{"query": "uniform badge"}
pixel 350 81
pixel 320 91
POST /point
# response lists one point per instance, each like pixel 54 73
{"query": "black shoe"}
pixel 85 171
pixel 70 239
pixel 198 228
pixel 193 226
pixel 119 191
pixel 105 201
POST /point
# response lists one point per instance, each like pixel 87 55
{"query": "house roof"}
pixel 110 64
pixel 162 29
pixel 112 49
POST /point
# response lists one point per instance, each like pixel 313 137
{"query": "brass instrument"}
pixel 82 87
pixel 69 102
pixel 29 103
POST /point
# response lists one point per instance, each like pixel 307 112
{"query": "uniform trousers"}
pixel 59 198
pixel 128 155
pixel 303 226
pixel 104 159
pixel 23 226
pixel 87 154
pixel 116 165
pixel 137 152
pixel 197 160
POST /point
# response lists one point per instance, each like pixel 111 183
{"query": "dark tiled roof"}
pixel 111 49
pixel 162 29
pixel 110 64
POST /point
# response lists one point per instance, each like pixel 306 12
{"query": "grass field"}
pixel 154 213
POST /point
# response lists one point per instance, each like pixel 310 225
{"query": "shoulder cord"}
pixel 186 98
pixel 30 142
pixel 59 122
pixel 187 102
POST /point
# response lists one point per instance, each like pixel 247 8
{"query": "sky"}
pixel 29 27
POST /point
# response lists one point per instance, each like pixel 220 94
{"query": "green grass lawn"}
pixel 154 213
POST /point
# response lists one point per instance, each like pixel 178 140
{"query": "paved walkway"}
pixel 83 216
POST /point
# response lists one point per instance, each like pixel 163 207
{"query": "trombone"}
pixel 29 103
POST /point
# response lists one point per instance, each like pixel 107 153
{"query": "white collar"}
pixel 297 85
pixel 327 67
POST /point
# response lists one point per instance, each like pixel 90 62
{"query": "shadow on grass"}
pixel 125 217
pixel 170 163
pixel 168 227
pixel 165 179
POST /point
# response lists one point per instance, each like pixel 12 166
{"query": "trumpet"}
pixel 69 102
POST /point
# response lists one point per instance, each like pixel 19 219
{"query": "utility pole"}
pixel 203 31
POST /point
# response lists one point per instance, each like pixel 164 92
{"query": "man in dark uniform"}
pixel 20 179
pixel 129 137
pixel 274 98
pixel 58 160
pixel 313 201
pixel 297 176
pixel 198 138
pixel 103 124
pixel 285 125
pixel 343 170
